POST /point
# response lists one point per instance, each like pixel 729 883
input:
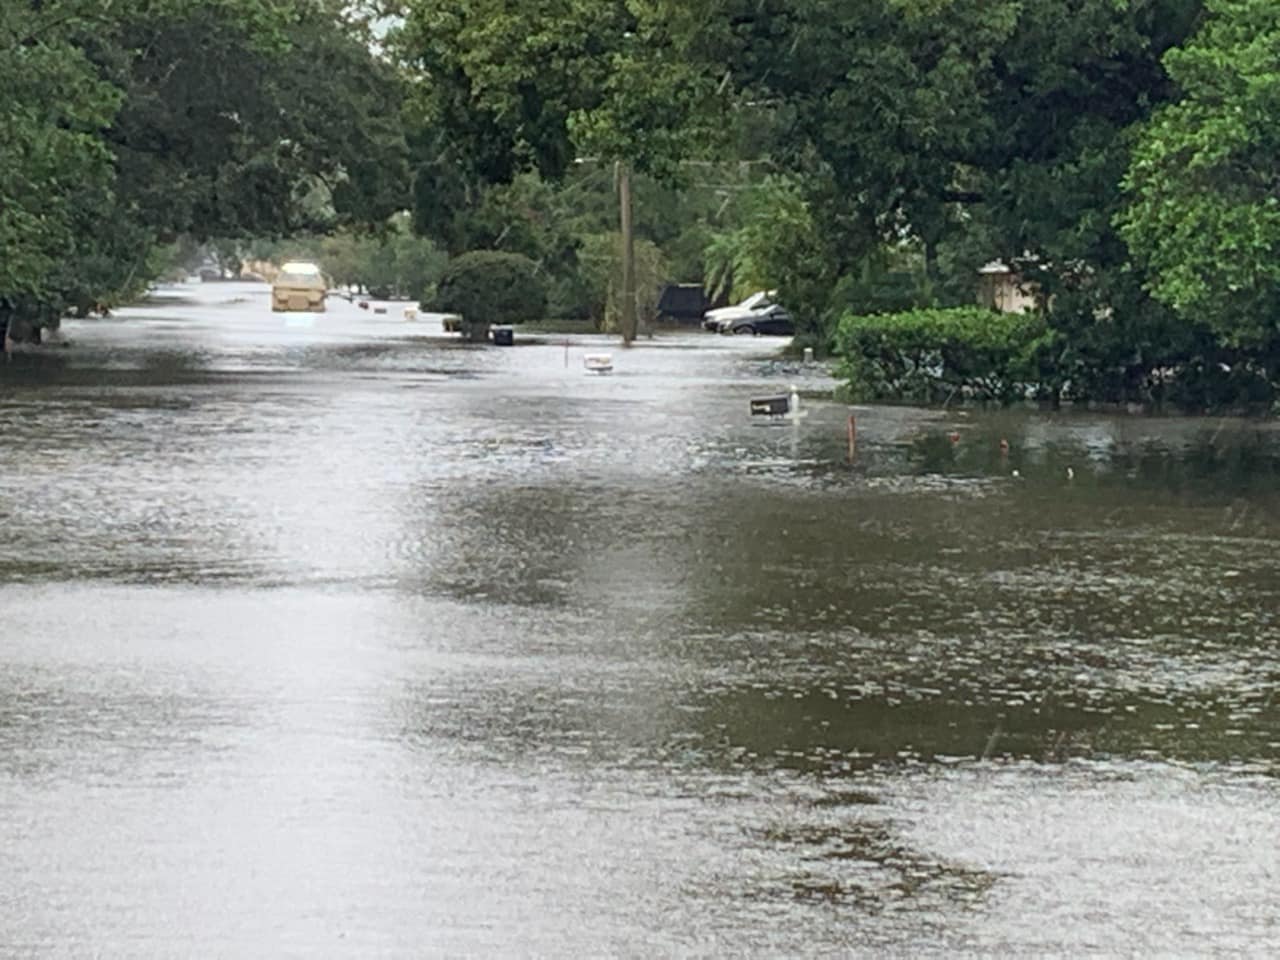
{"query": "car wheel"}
pixel 746 328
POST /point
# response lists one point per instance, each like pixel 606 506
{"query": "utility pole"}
pixel 623 172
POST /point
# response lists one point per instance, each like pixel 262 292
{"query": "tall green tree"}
pixel 51 156
pixel 131 123
pixel 1070 88
pixel 235 110
pixel 971 131
pixel 501 88
pixel 1203 183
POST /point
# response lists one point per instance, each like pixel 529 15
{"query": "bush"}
pixel 937 355
pixel 489 286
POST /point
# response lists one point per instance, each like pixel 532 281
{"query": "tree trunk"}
pixel 22 330
pixel 629 323
pixel 931 271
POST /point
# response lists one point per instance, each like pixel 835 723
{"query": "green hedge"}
pixel 940 355
pixel 490 286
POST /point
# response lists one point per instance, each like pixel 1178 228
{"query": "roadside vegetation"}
pixel 487 287
pixel 941 355
pixel 864 160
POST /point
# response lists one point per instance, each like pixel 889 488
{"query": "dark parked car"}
pixel 772 321
pixel 682 303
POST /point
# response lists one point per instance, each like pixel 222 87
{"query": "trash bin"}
pixel 504 336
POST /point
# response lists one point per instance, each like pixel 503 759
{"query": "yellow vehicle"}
pixel 299 286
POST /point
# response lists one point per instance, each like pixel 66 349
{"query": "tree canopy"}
pixel 856 156
pixel 131 124
pixel 1204 213
pixel 51 156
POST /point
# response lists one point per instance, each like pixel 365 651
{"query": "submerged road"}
pixel 332 637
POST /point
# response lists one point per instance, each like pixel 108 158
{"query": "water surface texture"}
pixel 329 636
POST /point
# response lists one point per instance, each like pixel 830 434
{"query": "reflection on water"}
pixel 353 640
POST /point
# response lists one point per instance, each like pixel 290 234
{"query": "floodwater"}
pixel 328 636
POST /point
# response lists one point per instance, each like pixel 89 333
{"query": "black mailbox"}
pixel 770 406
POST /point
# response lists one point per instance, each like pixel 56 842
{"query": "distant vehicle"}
pixel 773 320
pixel 299 286
pixel 712 319
pixel 682 303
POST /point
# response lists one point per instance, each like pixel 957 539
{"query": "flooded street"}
pixel 333 637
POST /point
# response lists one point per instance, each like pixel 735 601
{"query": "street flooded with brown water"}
pixel 329 636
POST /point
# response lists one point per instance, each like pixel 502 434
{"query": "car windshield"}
pixel 760 299
pixel 300 270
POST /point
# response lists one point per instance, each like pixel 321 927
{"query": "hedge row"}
pixel 940 355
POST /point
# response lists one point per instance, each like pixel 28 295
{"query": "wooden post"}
pixel 853 438
pixel 628 255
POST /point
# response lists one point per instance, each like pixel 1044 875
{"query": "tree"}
pixel 966 130
pixel 600 273
pixel 234 111
pixel 131 124
pixel 1070 89
pixel 504 87
pixel 51 158
pixel 489 286
pixel 509 88
pixel 1204 214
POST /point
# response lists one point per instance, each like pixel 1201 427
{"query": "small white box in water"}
pixel 598 362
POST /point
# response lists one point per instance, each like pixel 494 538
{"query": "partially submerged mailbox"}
pixel 776 406
pixel 786 405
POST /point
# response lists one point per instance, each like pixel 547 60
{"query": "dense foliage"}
pixel 489 286
pixel 131 125
pixel 1205 214
pixel 941 355
pixel 907 143
pixel 861 158
pixel 52 158
pixel 389 262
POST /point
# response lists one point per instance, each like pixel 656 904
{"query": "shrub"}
pixel 489 286
pixel 936 355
